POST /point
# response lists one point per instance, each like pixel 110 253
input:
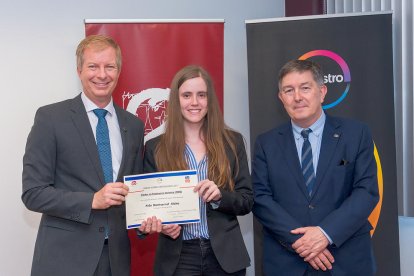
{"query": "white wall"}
pixel 37 50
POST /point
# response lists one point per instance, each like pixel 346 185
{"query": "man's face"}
pixel 99 74
pixel 302 97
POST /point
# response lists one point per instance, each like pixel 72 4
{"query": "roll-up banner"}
pixel 152 52
pixel 355 52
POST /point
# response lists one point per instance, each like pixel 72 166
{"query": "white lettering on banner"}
pixel 333 78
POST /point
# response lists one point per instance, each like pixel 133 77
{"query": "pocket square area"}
pixel 343 162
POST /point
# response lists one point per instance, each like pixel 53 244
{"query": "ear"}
pixel 323 91
pixel 279 94
pixel 79 71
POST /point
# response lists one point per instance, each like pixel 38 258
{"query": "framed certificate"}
pixel 167 195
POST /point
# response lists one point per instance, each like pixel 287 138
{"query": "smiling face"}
pixel 302 97
pixel 193 101
pixel 99 74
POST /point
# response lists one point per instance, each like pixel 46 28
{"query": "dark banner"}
pixel 355 53
pixel 152 53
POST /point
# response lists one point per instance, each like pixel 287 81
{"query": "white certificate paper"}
pixel 167 195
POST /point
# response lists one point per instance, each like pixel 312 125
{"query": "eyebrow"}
pixel 201 91
pixel 303 83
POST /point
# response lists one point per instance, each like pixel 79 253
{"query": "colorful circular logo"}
pixel 375 214
pixel 345 77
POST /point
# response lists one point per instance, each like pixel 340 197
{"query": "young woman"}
pixel 197 138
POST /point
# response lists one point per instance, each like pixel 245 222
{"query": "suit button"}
pixel 311 206
pixel 101 229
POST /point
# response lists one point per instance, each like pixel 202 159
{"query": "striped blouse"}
pixel 197 230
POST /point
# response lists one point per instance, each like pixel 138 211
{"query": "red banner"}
pixel 152 53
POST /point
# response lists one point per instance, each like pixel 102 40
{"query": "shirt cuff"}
pixel 326 235
pixel 141 235
pixel 215 204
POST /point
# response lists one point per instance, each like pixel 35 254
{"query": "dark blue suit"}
pixel 344 195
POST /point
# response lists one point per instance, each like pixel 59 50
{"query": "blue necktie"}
pixel 104 145
pixel 307 161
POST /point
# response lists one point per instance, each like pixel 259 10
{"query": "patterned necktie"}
pixel 104 145
pixel 307 161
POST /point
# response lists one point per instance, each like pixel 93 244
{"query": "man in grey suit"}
pixel 83 228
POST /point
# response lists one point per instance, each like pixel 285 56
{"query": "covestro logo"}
pixel 338 79
pixel 338 82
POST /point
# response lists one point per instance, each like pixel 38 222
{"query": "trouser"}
pixel 197 259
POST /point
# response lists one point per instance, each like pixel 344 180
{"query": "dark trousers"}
pixel 104 266
pixel 197 259
pixel 312 272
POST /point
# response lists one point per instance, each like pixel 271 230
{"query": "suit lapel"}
pixel 125 141
pixel 82 124
pixel 330 137
pixel 287 144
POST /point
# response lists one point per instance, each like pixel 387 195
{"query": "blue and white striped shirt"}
pixel 197 230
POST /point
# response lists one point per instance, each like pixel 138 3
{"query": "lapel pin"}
pixel 336 135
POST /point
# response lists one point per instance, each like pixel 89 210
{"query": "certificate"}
pixel 167 195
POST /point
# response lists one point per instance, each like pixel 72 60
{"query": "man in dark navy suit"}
pixel 315 184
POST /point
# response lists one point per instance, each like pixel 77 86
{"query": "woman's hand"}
pixel 208 190
pixel 172 230
pixel 151 225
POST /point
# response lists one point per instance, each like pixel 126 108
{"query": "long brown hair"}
pixel 169 154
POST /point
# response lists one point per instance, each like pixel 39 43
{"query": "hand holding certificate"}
pixel 167 195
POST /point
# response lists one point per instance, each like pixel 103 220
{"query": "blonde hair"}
pixel 98 42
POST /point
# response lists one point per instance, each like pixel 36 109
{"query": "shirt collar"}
pixel 90 106
pixel 316 127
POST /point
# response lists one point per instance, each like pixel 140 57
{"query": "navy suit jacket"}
pixel 345 193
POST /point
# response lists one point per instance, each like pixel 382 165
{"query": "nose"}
pixel 194 100
pixel 297 96
pixel 101 73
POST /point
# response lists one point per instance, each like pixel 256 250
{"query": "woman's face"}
pixel 193 100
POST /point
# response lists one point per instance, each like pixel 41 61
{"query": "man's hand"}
pixel 151 225
pixel 323 260
pixel 208 190
pixel 172 230
pixel 111 194
pixel 311 243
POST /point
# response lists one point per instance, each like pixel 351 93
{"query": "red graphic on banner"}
pixel 152 53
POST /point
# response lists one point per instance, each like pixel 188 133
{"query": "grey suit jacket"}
pixel 61 173
pixel 225 235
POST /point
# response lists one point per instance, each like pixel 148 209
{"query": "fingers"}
pixel 300 230
pixel 319 263
pixel 115 193
pixel 208 190
pixel 314 265
pixel 297 244
pixel 309 255
pixel 311 243
pixel 327 254
pixel 110 194
pixel 151 225
pixel 323 261
pixel 172 230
